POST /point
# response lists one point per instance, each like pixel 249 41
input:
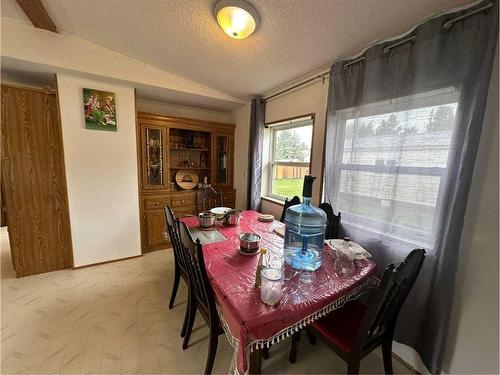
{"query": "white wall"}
pixel 24 42
pixel 176 110
pixel 101 174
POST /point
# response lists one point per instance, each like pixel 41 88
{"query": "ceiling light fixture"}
pixel 237 18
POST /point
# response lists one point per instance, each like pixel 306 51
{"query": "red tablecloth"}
pixel 249 323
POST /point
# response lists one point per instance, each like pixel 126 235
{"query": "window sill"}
pixel 273 200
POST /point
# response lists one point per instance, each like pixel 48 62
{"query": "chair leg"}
pixel 295 347
pixel 212 350
pixel 353 365
pixel 265 352
pixel 255 362
pixel 192 315
pixel 387 355
pixel 177 277
pixel 186 315
pixel 310 336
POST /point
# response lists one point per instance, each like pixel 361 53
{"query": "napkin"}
pixel 358 252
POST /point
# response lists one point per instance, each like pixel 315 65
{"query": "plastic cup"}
pixel 271 286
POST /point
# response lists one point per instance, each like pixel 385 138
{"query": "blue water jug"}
pixel 304 232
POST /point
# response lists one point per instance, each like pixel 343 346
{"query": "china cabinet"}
pixel 176 156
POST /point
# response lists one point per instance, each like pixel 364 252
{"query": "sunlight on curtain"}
pixel 391 164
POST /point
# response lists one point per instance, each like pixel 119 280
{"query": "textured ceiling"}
pixel 181 36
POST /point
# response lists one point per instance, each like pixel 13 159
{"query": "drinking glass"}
pixel 306 275
pixel 344 267
pixel 271 287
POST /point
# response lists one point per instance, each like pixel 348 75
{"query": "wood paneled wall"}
pixel 34 181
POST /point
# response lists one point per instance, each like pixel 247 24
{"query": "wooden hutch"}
pixel 168 145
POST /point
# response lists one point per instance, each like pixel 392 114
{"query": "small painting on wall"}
pixel 100 110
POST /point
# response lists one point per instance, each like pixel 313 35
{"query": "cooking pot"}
pixel 231 217
pixel 207 219
pixel 249 242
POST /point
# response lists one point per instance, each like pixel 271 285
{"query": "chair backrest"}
pixel 332 229
pixel 382 313
pixel 295 200
pixel 207 198
pixel 197 273
pixel 173 233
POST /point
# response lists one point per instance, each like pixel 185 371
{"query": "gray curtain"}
pixel 403 131
pixel 257 126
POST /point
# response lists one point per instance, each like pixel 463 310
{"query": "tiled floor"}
pixel 113 319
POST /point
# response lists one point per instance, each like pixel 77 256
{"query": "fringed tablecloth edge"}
pixel 371 282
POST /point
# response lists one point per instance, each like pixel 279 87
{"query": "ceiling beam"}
pixel 37 14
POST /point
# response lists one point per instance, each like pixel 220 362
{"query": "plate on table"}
pixel 359 251
pixel 265 218
pixel 219 212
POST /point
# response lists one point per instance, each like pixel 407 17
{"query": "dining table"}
pixel 249 324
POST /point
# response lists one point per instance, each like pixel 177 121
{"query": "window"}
pixel 289 156
pixel 391 163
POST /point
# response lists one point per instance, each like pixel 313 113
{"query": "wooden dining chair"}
pixel 332 229
pixel 180 267
pixel 207 198
pixel 202 297
pixel 295 200
pixel 355 330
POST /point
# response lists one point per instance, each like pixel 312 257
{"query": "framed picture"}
pixel 100 110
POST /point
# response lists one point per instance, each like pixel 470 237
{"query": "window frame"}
pixel 285 124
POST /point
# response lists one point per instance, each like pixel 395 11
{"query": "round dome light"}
pixel 237 18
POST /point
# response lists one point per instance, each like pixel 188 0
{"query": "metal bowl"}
pixel 207 219
pixel 249 242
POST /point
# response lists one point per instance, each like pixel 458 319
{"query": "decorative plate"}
pixel 186 179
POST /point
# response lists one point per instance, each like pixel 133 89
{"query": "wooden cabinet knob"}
pixel 157 203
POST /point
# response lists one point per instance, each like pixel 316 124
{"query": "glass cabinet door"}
pixel 153 146
pixel 223 159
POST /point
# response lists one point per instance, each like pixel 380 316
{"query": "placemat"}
pixel 207 236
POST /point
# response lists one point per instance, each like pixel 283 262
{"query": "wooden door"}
pixel 34 181
pixel 155 227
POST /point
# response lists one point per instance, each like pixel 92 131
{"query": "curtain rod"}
pixel 446 25
pixel 321 75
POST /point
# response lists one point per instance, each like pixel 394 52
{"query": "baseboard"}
pixel 406 364
pixel 106 262
pixel 409 358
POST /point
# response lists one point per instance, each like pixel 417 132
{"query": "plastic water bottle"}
pixel 304 232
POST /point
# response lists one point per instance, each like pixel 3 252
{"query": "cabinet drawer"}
pixel 186 202
pixel 156 202
pixel 183 212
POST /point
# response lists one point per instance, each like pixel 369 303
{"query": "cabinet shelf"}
pixel 189 149
pixel 204 168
